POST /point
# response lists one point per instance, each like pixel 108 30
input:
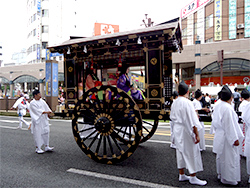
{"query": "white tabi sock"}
pixel 183 177
pixel 196 181
pixel 249 180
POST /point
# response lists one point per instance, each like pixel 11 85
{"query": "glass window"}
pixel 34 32
pixel 209 40
pixel 44 45
pixel 45 13
pixel 45 29
pixel 195 28
pixel 209 21
pixel 184 33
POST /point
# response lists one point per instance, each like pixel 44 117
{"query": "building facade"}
pixel 50 22
pixel 219 28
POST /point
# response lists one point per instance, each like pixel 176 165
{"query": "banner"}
pixel 247 18
pixel 48 79
pixel 218 20
pixel 232 18
pixel 55 79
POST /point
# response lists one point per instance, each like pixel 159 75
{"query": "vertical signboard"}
pixel 51 79
pixel 232 19
pixel 201 25
pixel 55 79
pixel 48 79
pixel 247 18
pixel 218 19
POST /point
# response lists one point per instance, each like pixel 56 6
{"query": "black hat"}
pixel 175 94
pixel 226 93
pixel 219 95
pixel 35 92
pixel 245 94
pixel 124 68
pixel 197 93
pixel 183 88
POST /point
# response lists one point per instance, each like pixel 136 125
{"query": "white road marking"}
pixel 168 142
pixel 117 178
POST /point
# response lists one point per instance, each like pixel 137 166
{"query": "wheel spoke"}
pixel 92 142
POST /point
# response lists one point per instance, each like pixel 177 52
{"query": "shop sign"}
pixel 218 20
pixel 232 19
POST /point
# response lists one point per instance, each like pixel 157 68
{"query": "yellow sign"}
pixel 218 20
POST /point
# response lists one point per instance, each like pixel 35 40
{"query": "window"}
pixel 34 47
pixel 45 29
pixel 44 45
pixel 209 21
pixel 34 32
pixel 195 28
pixel 209 40
pixel 184 33
pixel 34 17
pixel 45 13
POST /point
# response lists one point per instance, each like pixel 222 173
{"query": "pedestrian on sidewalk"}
pixel 226 139
pixel 186 127
pixel 22 105
pixel 39 112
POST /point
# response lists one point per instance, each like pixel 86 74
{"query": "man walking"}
pixel 21 104
pixel 39 111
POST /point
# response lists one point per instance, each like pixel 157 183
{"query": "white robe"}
pixel 21 110
pixel 246 118
pixel 21 107
pixel 40 122
pixel 197 106
pixel 227 131
pixel 184 119
pixel 243 127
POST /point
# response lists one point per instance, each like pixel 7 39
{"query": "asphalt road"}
pixel 152 165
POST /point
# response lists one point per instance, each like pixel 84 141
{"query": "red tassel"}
pixel 120 62
pixel 92 65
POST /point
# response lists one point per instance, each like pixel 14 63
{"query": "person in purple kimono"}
pixel 136 93
pixel 123 81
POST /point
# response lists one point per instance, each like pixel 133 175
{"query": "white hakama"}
pixel 227 131
pixel 197 106
pixel 246 118
pixel 184 118
pixel 40 122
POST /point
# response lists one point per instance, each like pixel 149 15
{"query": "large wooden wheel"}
pixel 148 129
pixel 107 124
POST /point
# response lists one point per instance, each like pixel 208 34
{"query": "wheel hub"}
pixel 104 124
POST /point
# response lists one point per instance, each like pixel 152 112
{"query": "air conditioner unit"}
pixel 240 26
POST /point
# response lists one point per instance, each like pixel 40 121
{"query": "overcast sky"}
pixel 127 14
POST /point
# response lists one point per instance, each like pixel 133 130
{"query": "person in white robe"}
pixel 186 137
pixel 226 139
pixel 197 106
pixel 246 119
pixel 39 111
pixel 172 145
pixel 245 96
pixel 22 105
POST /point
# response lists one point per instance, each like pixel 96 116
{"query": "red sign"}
pixel 104 29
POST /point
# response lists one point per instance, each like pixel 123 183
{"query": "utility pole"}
pixel 220 55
